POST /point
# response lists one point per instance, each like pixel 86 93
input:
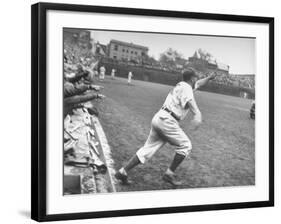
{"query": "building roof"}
pixel 196 55
pixel 129 44
pixel 211 60
pixel 223 67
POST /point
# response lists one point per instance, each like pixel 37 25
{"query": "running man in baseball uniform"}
pixel 165 127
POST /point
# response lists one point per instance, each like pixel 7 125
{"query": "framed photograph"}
pixel 139 111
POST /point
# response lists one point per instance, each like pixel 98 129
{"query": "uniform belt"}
pixel 171 112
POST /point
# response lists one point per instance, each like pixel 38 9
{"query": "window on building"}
pixel 123 50
pixel 116 47
pixel 136 53
pixel 132 52
pixel 127 51
pixel 114 56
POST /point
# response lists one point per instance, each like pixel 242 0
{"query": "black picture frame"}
pixel 39 108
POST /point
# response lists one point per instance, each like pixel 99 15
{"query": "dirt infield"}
pixel 223 147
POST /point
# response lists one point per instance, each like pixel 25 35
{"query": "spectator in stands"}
pixel 77 93
pixel 71 89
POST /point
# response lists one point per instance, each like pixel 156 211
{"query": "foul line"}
pixel 106 151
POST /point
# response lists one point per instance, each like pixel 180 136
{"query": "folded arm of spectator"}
pixel 82 98
pixel 70 89
pixel 79 75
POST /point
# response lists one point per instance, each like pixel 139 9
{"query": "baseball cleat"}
pixel 170 178
pixel 122 178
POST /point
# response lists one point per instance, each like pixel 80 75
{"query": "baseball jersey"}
pixel 102 69
pixel 177 99
pixel 130 75
pixel 113 72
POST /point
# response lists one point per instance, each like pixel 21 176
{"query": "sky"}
pixel 238 53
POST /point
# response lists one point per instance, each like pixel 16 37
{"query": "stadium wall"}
pixel 171 78
pixel 142 73
pixel 229 90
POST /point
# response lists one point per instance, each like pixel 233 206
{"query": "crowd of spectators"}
pixel 233 80
pixel 81 97
pixel 143 64
pixel 79 79
pixel 223 78
pixel 243 80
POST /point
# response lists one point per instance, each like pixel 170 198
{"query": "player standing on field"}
pixel 130 75
pixel 102 73
pixel 165 127
pixel 113 73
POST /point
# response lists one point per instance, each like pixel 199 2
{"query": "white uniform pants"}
pixel 102 75
pixel 164 128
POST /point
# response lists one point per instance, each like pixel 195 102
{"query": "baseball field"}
pixel 223 151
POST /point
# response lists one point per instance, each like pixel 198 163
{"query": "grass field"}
pixel 223 147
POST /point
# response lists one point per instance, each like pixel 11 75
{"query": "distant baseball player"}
pixel 102 73
pixel 165 127
pixel 113 73
pixel 130 75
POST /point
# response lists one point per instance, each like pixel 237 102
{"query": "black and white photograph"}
pixel 140 111
pixel 156 111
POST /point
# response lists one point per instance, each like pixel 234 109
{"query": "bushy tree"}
pixel 171 57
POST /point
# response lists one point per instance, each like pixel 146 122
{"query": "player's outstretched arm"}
pixel 204 81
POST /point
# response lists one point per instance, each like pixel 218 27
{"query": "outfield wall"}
pixel 229 90
pixel 171 78
pixel 141 73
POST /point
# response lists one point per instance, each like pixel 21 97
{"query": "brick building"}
pixel 120 50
